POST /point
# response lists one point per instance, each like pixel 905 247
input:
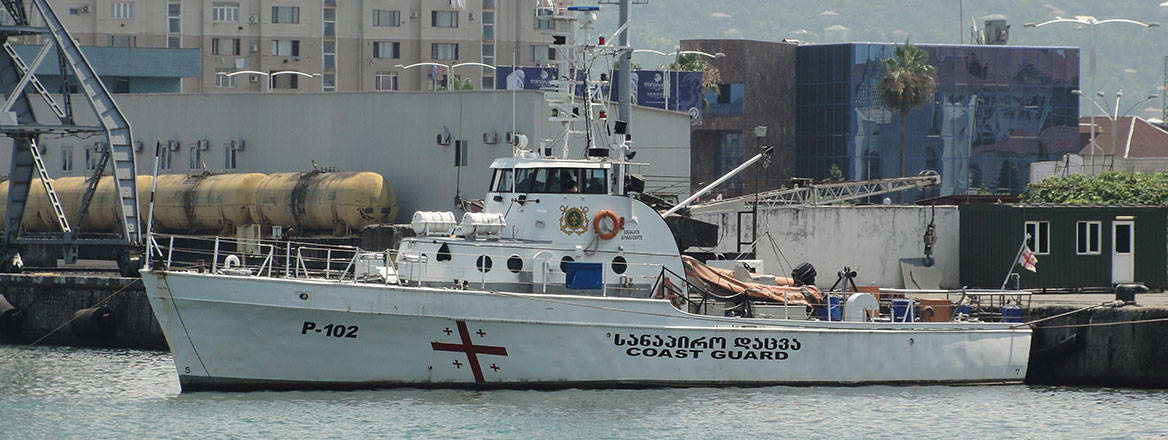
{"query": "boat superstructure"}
pixel 564 279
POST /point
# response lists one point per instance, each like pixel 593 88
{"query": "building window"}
pixel 330 61
pixel 164 155
pixel 385 17
pixel 174 18
pixel 726 101
pixel 444 51
pixel 224 12
pixel 1038 237
pixel 229 153
pixel 543 19
pixel 286 48
pixel 386 81
pixel 1087 238
pixel 444 19
pixel 121 85
pixel 173 42
pixel 488 26
pixel 285 14
pixel 542 53
pixel 386 49
pixel 66 158
pixel 222 80
pixel 196 158
pixel 224 46
pixel 123 41
pixel 285 81
pixel 329 82
pixel 330 22
pixel 122 10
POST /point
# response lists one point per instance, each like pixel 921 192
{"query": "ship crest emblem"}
pixel 574 220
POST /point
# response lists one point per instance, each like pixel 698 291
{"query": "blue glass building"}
pixel 996 110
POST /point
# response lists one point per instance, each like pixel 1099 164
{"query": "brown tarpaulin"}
pixel 723 283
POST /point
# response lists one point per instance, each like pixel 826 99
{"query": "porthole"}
pixel 483 263
pixel 515 264
pixel 619 264
pixel 564 263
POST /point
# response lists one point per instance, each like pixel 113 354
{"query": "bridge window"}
pixel 502 181
pixel 562 180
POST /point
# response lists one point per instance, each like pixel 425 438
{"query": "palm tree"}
pixel 907 84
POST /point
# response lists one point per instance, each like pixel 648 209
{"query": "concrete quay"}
pixel 1106 345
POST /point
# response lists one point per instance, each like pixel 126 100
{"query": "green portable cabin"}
pixel 1077 246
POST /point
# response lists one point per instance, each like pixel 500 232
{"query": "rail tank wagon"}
pixel 311 202
pixel 324 201
pixel 203 203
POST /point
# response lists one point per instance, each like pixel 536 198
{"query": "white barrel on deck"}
pixel 482 224
pixel 433 223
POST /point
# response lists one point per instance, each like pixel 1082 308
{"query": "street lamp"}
pixel 1092 22
pixel 270 76
pixel 449 67
pixel 1115 115
pixel 677 62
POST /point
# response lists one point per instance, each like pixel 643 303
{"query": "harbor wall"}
pixel 49 302
pixel 869 239
pixel 392 134
pixel 1111 346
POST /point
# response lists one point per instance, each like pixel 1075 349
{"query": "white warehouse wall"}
pixel 393 134
pixel 869 239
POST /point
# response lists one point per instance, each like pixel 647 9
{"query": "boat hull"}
pixel 238 333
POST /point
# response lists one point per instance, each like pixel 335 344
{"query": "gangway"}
pixel 21 124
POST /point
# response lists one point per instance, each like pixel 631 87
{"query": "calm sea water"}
pixel 57 392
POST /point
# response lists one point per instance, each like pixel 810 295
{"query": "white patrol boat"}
pixel 565 279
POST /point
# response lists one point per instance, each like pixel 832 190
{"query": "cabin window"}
pixel 562 180
pixel 1088 239
pixel 502 181
pixel 1038 237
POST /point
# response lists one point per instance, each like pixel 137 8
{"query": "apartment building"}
pixel 335 45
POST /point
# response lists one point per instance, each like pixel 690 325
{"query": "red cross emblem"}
pixel 472 351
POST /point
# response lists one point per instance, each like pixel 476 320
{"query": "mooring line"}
pixel 1104 324
pixel 1060 315
pixel 74 318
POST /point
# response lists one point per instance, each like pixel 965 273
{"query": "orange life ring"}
pixel 606 235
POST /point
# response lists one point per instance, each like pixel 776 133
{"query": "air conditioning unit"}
pixel 253 19
pixel 237 145
pixel 490 138
pixel 173 145
pixel 202 144
pixel 414 13
pixel 254 78
pixel 84 9
pixel 137 146
pixel 443 139
pixel 255 47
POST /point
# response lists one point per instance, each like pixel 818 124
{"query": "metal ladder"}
pixel 121 144
pixel 47 182
pixel 36 83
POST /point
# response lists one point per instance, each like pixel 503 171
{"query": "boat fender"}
pixel 93 323
pixel 611 227
pixel 230 262
pixel 11 318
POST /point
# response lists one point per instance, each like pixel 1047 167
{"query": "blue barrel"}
pixel 903 311
pixel 1011 313
pixel 833 309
